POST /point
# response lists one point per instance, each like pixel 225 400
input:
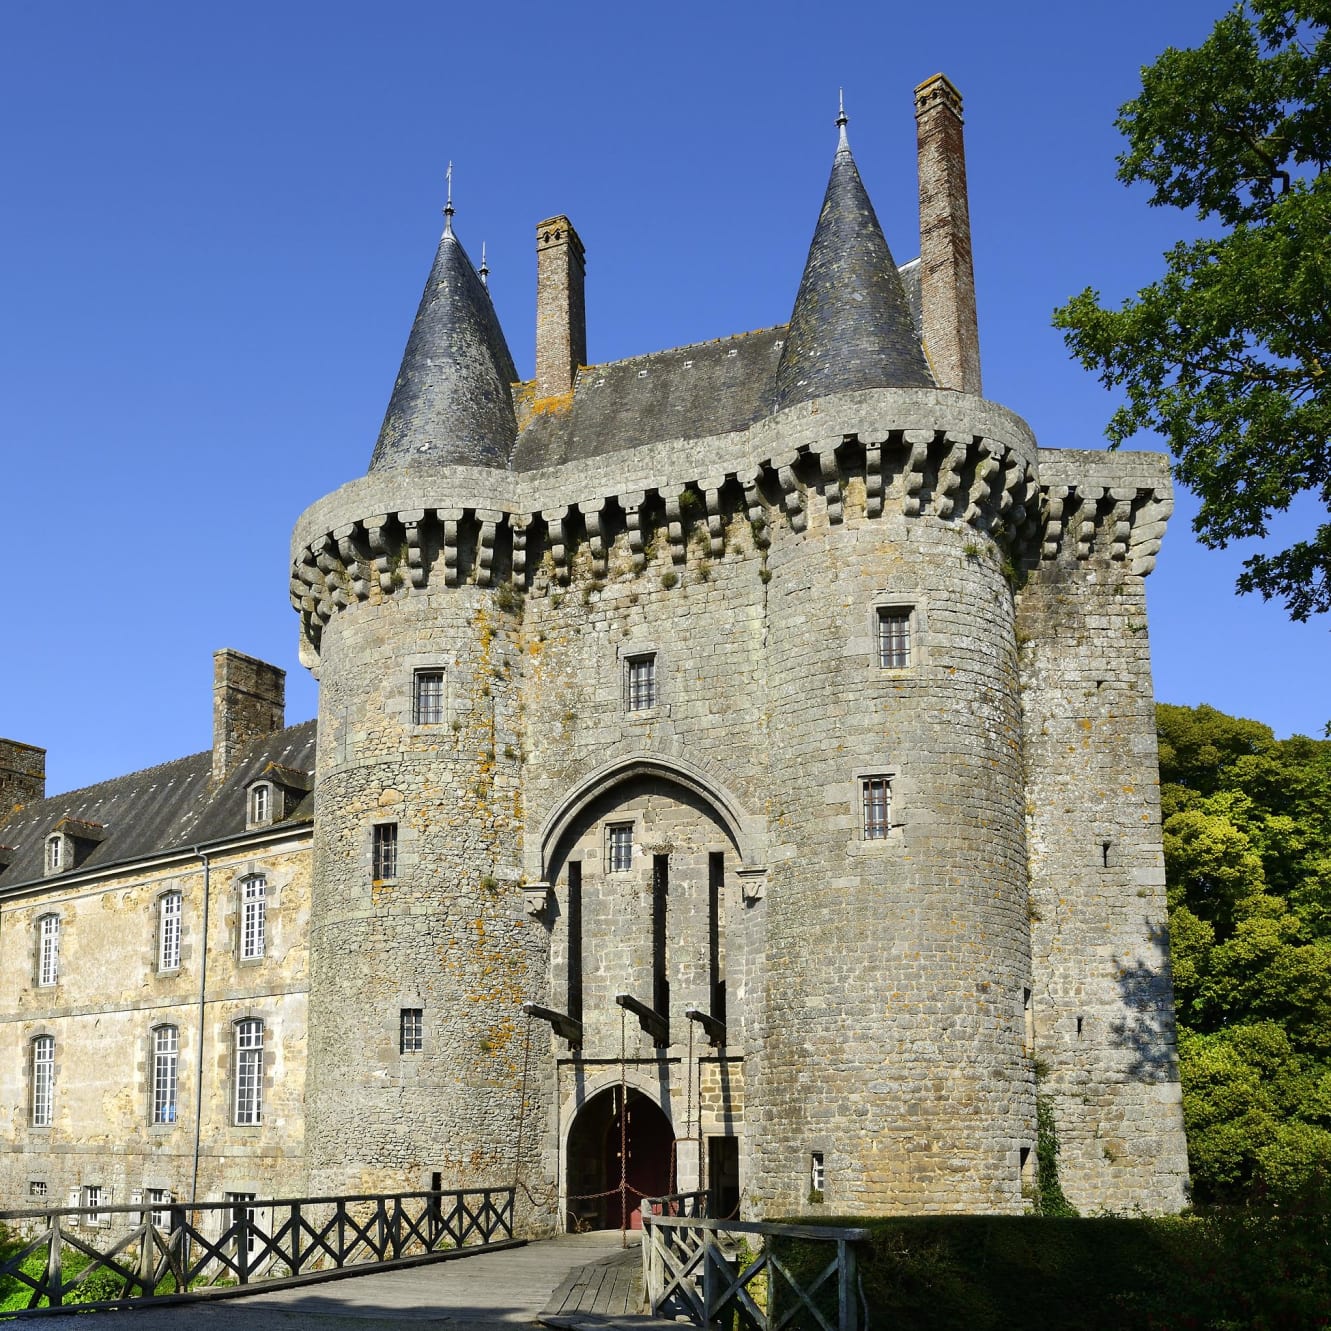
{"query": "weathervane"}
pixel 448 205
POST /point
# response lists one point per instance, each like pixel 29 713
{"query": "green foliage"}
pixel 1227 354
pixel 1248 863
pixel 1254 1271
pixel 1049 1197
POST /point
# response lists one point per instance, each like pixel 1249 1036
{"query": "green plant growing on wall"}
pixel 1049 1197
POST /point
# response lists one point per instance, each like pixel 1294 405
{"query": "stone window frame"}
pixel 261 805
pixel 614 826
pixel 252 907
pixel 57 853
pixel 891 773
pixel 915 609
pixel 400 697
pixel 47 1118
pixel 37 1187
pixel 411 1030
pixel 49 927
pixel 627 654
pixel 248 1071
pixel 437 707
pixel 170 1114
pixel 385 851
pixel 164 914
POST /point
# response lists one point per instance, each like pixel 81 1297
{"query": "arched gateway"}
pixel 620 1149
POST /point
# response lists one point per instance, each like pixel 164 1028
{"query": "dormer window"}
pixel 55 853
pixel 261 804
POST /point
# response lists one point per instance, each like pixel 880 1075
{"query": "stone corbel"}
pixel 592 510
pixel 948 485
pixel 792 498
pixel 675 527
pixel 377 536
pixel 517 524
pixel 825 451
pixel 1088 503
pixel 756 512
pixel 1055 510
pixel 873 472
pixel 1148 530
pixel 411 521
pixel 716 529
pixel 537 899
pixel 982 484
pixel 912 480
pixel 752 884
pixel 554 522
pixel 449 521
pixel 1120 523
pixel 632 505
pixel 488 520
pixel 351 560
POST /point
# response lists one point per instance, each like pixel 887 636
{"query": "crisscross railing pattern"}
pixel 116 1255
pixel 729 1273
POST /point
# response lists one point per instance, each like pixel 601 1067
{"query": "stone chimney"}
pixel 561 315
pixel 22 776
pixel 947 276
pixel 249 700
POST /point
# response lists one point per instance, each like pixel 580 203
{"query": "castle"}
pixel 735 769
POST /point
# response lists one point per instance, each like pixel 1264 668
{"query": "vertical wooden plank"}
pixel 54 1278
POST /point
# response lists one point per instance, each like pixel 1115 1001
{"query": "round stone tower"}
pixel 421 953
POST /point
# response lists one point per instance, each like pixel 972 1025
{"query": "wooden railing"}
pixel 738 1274
pixel 112 1256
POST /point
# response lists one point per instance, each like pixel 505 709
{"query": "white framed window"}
pixel 261 805
pixel 246 1215
pixel 43 1081
pixel 384 848
pixel 160 1200
pixel 48 949
pixel 253 917
pixel 427 697
pixel 94 1197
pixel 640 690
pixel 166 1062
pixel 876 802
pixel 55 853
pixel 249 1072
pixel 411 1030
pixel 619 847
pixel 168 931
pixel 817 1175
pixel 892 636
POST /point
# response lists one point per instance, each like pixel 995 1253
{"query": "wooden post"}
pixel 54 1278
pixel 847 1308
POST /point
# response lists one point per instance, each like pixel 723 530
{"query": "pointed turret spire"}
pixel 851 327
pixel 485 269
pixel 452 404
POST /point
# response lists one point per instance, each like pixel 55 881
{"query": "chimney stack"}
pixel 947 276
pixel 249 700
pixel 22 776
pixel 561 315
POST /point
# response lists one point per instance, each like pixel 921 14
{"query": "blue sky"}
pixel 217 221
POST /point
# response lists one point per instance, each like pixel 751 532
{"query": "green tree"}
pixel 1247 831
pixel 1228 354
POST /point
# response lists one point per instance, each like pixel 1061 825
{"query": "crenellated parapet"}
pixel 918 453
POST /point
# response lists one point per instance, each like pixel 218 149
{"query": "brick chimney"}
pixel 947 276
pixel 249 700
pixel 22 775
pixel 561 315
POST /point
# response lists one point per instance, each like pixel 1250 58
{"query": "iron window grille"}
pixel 894 638
pixel 48 962
pixel 249 1073
pixel 411 1030
pixel 619 847
pixel 640 693
pixel 385 850
pixel 43 1080
pixel 428 697
pixel 166 1056
pixel 168 932
pixel 877 798
pixel 37 1188
pixel 253 917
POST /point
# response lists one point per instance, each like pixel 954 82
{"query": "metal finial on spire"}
pixel 842 119
pixel 485 269
pixel 448 205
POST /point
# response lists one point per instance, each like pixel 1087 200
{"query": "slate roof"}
pixel 852 326
pixel 169 807
pixel 451 404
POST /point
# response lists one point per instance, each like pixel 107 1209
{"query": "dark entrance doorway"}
pixel 603 1135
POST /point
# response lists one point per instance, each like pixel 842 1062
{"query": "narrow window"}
pixel 168 932
pixel 877 797
pixel 249 1073
pixel 55 851
pixel 43 1080
pixel 411 1030
pixel 159 1199
pixel 619 847
pixel 817 1176
pixel 575 940
pixel 427 705
pixel 166 1053
pixel 37 1187
pixel 93 1199
pixel 640 682
pixel 1028 1015
pixel 716 881
pixel 242 1218
pixel 253 916
pixel 894 637
pixel 48 950
pixel 660 925
pixel 261 804
pixel 385 850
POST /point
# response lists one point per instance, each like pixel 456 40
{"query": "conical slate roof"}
pixel 451 404
pixel 851 327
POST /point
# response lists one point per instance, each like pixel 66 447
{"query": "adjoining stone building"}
pixel 737 761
